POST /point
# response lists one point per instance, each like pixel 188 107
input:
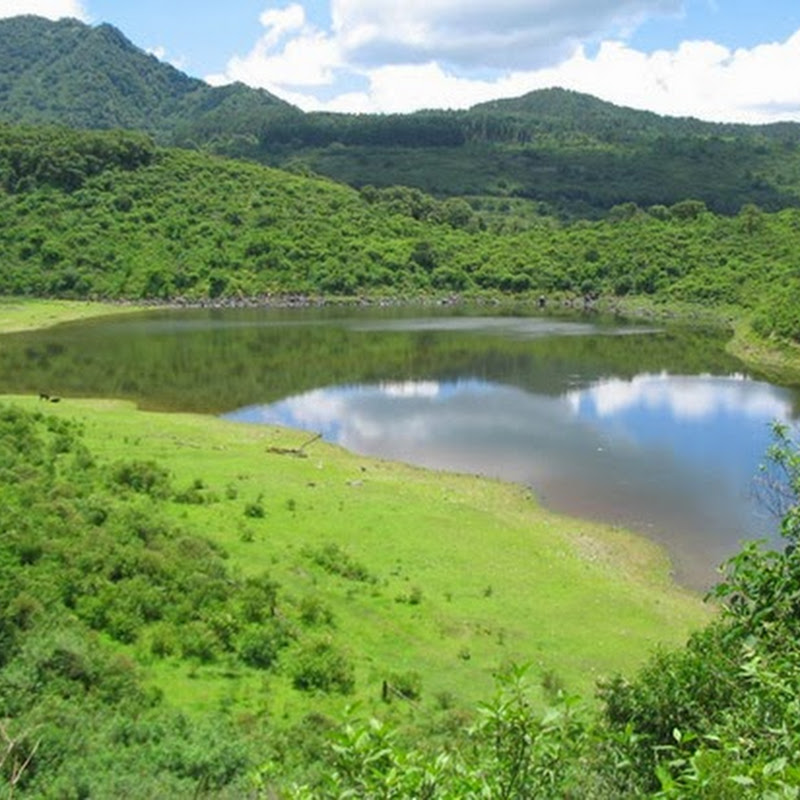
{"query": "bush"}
pixel 313 612
pixel 319 665
pixel 143 477
pixel 403 685
pixel 259 646
pixel 198 642
pixel 336 561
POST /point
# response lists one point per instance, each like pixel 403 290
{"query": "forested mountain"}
pixel 570 154
pixel 92 77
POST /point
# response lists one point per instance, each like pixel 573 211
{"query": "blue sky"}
pixel 714 59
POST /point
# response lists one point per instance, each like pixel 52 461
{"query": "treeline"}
pixel 422 129
pixel 573 175
pixel 110 216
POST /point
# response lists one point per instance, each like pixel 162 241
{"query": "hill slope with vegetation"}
pixel 570 154
pixel 110 215
pixel 69 73
pixel 184 600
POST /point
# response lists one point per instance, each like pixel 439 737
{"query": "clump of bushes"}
pixel 142 477
pixel 336 561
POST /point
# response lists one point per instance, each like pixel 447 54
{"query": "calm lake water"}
pixel 658 430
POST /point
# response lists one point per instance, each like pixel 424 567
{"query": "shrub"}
pixel 259 646
pixel 335 560
pixel 143 477
pixel 403 685
pixel 320 665
pixel 314 612
pixel 199 642
pixel 255 510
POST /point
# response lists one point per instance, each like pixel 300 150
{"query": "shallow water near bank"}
pixel 655 429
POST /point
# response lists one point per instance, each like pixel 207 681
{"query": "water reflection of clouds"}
pixel 513 327
pixel 682 397
pixel 372 418
pixel 468 424
pixel 411 388
pixel 658 452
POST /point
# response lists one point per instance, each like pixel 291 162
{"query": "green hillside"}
pixel 560 152
pixel 73 74
pixel 110 215
pixel 571 154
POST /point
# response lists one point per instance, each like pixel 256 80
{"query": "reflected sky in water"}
pixel 668 455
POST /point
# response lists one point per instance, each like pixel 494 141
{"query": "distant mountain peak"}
pixel 84 76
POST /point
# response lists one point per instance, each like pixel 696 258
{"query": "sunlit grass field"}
pixel 466 574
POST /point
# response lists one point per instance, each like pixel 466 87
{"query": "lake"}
pixel 657 429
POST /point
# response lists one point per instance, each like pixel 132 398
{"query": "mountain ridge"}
pixel 87 76
pixel 571 154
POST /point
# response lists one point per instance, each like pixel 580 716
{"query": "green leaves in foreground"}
pixel 95 584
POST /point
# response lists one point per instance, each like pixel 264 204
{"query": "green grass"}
pixel 498 579
pixel 775 359
pixel 28 313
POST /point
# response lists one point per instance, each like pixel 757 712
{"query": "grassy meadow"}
pixel 465 574
pixel 27 313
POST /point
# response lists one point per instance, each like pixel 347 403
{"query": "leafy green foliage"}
pixel 337 561
pixel 92 576
pixel 318 665
pixel 513 751
pixel 35 157
pixel 174 224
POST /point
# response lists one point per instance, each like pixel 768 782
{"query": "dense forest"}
pixel 111 215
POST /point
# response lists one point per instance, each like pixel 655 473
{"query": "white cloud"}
pixel 427 389
pixel 51 9
pixel 279 22
pixel 497 33
pixel 700 79
pixel 403 55
pixel 290 53
pixel 685 398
